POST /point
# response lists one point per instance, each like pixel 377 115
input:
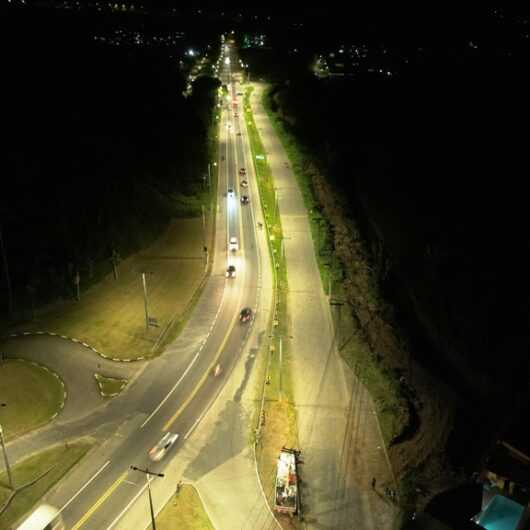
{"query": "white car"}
pixel 162 447
pixel 230 192
pixel 233 245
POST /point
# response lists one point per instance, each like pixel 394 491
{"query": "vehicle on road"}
pixel 233 245
pixel 231 271
pixel 238 134
pixel 242 171
pixel 45 517
pixel 230 192
pixel 236 115
pixel 244 199
pixel 244 183
pixel 245 315
pixel 217 370
pixel 163 446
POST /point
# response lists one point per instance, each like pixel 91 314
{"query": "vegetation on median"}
pixel 277 424
pixel 48 467
pixel 185 511
pixel 32 393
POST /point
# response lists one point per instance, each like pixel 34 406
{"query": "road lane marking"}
pixel 85 486
pixel 134 499
pixel 173 389
pixel 100 501
pixel 204 376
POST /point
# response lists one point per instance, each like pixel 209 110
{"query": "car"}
pixel 245 315
pixel 231 271
pixel 233 245
pixel 230 192
pixel 236 115
pixel 244 183
pixel 244 199
pixel 162 447
pixel 242 171
pixel 238 134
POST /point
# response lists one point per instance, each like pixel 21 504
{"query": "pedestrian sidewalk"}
pixel 338 430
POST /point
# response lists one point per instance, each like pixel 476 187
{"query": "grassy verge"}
pixel 278 427
pixel 32 394
pixel 110 316
pixel 185 512
pixel 58 460
pixel 380 382
pixel 110 386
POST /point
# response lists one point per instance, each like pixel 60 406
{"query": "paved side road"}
pixel 338 431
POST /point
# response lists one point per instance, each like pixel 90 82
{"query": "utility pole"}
pixel 203 226
pixel 8 278
pixel 145 302
pixel 8 469
pixel 318 219
pixel 280 367
pixel 148 478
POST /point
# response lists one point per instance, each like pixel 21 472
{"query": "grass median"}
pixel 185 512
pixel 48 467
pixel 32 395
pixel 278 426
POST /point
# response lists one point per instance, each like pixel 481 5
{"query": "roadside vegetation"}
pixel 117 190
pixel 34 476
pixel 185 512
pixel 276 415
pixel 32 394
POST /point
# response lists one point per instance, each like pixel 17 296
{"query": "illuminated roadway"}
pixel 174 391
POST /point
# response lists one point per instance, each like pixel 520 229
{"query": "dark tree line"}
pixel 101 140
pixel 433 163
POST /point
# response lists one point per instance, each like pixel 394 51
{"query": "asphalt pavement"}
pixel 175 392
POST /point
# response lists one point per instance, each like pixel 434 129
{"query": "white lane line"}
pixel 85 486
pixel 172 390
pixel 134 499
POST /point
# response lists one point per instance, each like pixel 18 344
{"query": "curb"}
pixel 71 339
pixel 98 378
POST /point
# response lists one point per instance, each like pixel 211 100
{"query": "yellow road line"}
pixel 231 326
pixel 203 378
pixel 100 501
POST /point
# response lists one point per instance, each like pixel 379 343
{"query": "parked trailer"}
pixel 286 497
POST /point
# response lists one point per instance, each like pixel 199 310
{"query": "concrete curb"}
pixel 71 339
pixel 98 378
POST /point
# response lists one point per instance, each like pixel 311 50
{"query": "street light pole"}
pixel 4 450
pixel 148 478
pixel 8 278
pixel 145 302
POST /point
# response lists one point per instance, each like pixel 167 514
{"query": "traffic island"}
pixel 33 395
pixel 109 386
pixel 185 510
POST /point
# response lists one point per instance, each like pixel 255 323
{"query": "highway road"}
pixel 174 391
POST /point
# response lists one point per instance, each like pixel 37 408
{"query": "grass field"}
pixel 111 316
pixel 59 460
pixel 184 512
pixel 32 396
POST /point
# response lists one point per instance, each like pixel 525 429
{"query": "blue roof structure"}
pixel 501 514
